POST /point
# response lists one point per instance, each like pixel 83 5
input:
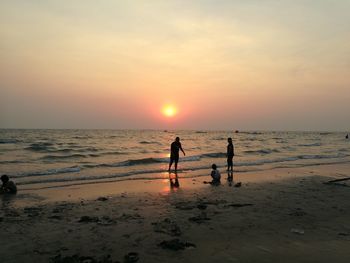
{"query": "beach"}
pixel 283 214
pixel 174 131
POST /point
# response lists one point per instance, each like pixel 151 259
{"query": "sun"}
pixel 169 111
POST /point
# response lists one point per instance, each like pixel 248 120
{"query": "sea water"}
pixel 68 157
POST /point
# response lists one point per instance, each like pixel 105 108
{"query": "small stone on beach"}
pixel 88 219
pixel 175 244
pixel 58 217
pixel 202 206
pixel 102 198
pixel 131 257
pixel 240 205
pixel 297 231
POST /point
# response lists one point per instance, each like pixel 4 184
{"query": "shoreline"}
pixel 89 190
pixel 160 183
pixel 282 214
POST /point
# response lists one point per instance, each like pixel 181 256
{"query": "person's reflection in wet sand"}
pixel 230 177
pixel 174 182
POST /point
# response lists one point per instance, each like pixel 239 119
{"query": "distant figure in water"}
pixel 215 175
pixel 230 154
pixel 8 187
pixel 347 136
pixel 174 153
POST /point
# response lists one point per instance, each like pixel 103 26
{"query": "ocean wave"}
pixel 219 138
pixel 113 153
pixel 262 151
pixel 289 148
pixel 8 141
pixel 214 155
pixel 281 141
pixel 292 158
pixel 64 157
pixel 252 132
pixel 147 175
pixel 325 156
pixel 239 167
pixel 64 150
pixel 343 150
pixel 40 147
pixel 310 144
pixel 81 137
pixel 149 142
pixel 12 161
pixel 154 160
pixel 87 149
pixel 145 161
pixel 73 169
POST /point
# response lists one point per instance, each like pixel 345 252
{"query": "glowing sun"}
pixel 169 111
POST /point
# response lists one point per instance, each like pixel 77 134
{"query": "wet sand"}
pixel 287 215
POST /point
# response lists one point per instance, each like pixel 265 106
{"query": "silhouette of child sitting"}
pixel 215 175
pixel 7 185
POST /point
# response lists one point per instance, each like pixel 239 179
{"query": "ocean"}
pixel 56 158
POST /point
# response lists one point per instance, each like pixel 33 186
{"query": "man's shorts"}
pixel 230 161
pixel 174 158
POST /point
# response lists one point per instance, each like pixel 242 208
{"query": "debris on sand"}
pixel 134 216
pixel 337 182
pixel 167 226
pixel 106 220
pixel 89 219
pixel 239 184
pixel 201 218
pixel 239 205
pixel 298 212
pixel 102 198
pixel 184 206
pixel 297 231
pixel 81 259
pixel 57 217
pixel 131 257
pixel 175 244
pixel 202 206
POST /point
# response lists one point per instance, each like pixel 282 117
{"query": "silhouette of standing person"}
pixel 174 153
pixel 230 154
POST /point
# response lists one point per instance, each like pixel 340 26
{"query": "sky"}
pixel 224 65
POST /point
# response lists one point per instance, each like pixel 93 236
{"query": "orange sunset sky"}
pixel 254 65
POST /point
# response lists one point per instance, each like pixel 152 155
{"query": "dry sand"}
pixel 281 215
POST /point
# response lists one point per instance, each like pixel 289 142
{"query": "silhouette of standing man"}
pixel 230 154
pixel 174 153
